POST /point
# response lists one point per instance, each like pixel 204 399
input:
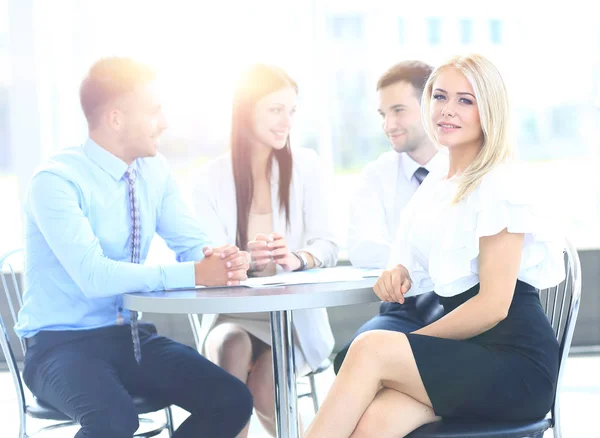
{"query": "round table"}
pixel 279 301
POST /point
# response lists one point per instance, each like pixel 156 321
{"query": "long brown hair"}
pixel 258 81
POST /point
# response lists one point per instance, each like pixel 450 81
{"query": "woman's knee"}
pixel 229 341
pixel 373 344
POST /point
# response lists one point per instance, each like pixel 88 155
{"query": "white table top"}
pixel 245 299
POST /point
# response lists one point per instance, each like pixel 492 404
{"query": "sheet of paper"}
pixel 370 272
pixel 327 275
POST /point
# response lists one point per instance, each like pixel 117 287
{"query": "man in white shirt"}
pixel 386 185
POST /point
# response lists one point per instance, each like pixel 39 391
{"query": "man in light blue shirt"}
pixel 89 225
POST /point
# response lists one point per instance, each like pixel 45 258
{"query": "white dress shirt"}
pixel 310 230
pixel 438 241
pixel 385 187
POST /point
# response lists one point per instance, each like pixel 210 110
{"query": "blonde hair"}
pixel 494 115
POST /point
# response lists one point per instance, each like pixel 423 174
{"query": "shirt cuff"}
pixel 311 251
pixel 323 251
pixel 179 276
pixel 420 284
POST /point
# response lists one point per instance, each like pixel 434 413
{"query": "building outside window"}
pixel 434 31
pixel 466 31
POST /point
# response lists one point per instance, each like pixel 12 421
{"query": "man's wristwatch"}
pixel 303 261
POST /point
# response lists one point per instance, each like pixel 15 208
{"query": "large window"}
pixel 5 160
pixel 347 27
pixel 336 50
pixel 10 224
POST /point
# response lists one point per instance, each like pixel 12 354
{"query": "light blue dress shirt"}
pixel 78 239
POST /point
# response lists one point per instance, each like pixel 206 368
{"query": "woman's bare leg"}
pixel 393 415
pixel 230 346
pixel 371 364
pixel 262 387
pixel 260 383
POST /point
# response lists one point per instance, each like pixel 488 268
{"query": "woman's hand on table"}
pixel 282 254
pixel 260 252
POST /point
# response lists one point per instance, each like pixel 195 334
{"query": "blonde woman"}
pixel 477 236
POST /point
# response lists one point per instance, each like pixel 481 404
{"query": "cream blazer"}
pixel 310 230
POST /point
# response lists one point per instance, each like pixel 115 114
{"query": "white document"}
pixel 326 275
pixel 370 272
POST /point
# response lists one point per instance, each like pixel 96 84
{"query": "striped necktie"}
pixel 135 254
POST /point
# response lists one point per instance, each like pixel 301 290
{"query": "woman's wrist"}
pixel 308 259
pixel 299 263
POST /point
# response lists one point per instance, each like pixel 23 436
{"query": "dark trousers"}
pixel 415 313
pixel 90 375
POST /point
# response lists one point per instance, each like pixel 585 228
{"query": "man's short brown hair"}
pixel 108 79
pixel 415 73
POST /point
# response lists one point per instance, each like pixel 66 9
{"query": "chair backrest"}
pixel 561 305
pixel 12 298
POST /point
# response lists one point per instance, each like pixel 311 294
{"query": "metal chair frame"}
pixel 562 315
pixel 8 278
pixel 561 306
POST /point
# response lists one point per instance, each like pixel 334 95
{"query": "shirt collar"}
pixel 108 162
pixel 409 166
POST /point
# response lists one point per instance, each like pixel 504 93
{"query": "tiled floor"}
pixel 579 403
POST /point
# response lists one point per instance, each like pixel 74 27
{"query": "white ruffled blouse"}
pixel 438 242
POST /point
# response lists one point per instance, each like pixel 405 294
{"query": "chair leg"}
pixel 23 427
pixel 23 424
pixel 313 392
pixel 155 428
pixel 169 415
pixel 556 423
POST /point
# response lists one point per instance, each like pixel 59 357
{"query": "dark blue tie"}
pixel 420 174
